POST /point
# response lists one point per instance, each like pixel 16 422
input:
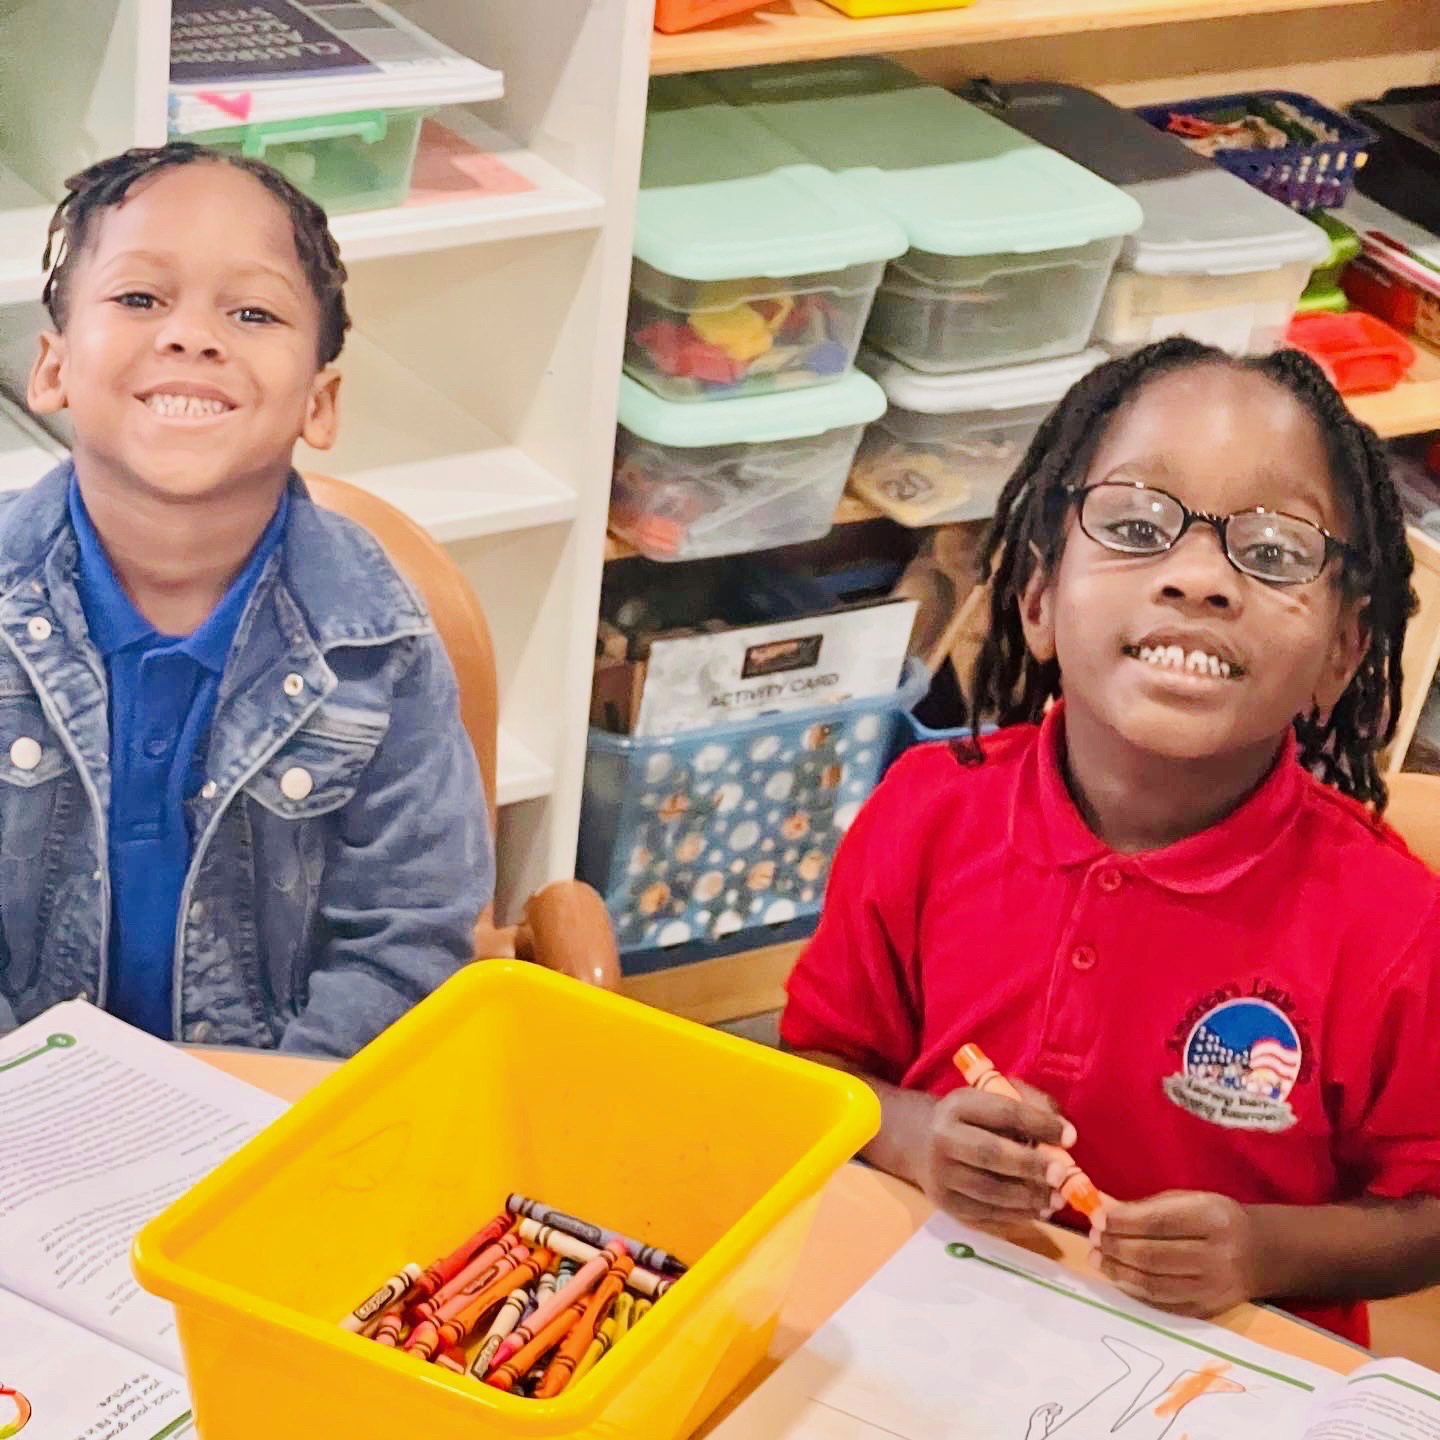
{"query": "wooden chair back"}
pixel 426 564
pixel 1414 811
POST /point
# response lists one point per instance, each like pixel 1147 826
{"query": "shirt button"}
pixel 156 747
pixel 1109 881
pixel 296 784
pixel 209 790
pixel 25 753
pixel 293 685
pixel 1083 958
pixel 38 628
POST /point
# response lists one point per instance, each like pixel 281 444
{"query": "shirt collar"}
pixel 114 621
pixel 1047 828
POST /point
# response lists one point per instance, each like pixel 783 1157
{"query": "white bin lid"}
pixel 855 399
pixel 1199 219
pixel 1007 387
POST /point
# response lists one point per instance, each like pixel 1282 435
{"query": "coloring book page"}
pixel 962 1336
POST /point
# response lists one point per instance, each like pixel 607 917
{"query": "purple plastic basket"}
pixel 1305 177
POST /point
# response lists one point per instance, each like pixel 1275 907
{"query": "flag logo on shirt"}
pixel 1242 1060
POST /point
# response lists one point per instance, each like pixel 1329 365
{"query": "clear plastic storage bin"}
pixel 944 313
pixel 754 268
pixel 357 161
pixel 705 835
pixel 1010 243
pixel 946 446
pixel 1215 259
pixel 699 480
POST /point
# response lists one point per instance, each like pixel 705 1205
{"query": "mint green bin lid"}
pixel 751 420
pixel 724 198
pixel 957 180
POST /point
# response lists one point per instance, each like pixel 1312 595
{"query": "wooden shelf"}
pixel 811 30
pixel 734 987
pixel 1413 406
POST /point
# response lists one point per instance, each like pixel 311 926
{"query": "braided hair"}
pixel 1010 686
pixel 108 182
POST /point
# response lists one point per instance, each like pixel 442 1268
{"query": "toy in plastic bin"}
pixel 1396 283
pixel 1359 352
pixel 728 343
pixel 1290 146
pixel 672 16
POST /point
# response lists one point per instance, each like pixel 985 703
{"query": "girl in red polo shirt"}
pixel 1164 901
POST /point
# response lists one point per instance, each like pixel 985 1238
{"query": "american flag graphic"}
pixel 1233 1065
pixel 1277 1057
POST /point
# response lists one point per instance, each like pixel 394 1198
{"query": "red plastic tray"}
pixel 1357 351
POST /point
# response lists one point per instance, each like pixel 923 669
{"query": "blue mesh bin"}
pixel 1317 176
pixel 726 834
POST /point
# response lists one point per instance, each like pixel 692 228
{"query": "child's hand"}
pixel 979 1161
pixel 1185 1251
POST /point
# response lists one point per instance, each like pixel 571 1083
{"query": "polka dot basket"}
pixel 704 836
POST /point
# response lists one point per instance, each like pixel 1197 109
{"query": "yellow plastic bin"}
pixel 507 1078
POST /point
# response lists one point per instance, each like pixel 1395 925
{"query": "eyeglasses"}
pixel 1135 519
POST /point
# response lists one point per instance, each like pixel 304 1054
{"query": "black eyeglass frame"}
pixel 1075 495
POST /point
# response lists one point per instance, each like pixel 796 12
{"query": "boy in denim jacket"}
pixel 237 804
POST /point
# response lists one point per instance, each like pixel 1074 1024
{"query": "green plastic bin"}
pixel 754 268
pixel 361 160
pixel 1010 243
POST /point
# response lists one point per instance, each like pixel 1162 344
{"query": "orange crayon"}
pixel 477 1272
pixel 435 1277
pixel 509 1372
pixel 463 1313
pixel 572 1349
pixel 575 1293
pixel 1076 1186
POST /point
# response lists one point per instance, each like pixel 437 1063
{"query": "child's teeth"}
pixel 189 406
pixel 1196 662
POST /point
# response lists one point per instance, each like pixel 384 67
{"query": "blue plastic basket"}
pixel 714 835
pixel 1304 177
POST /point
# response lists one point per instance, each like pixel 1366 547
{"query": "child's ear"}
pixel 1347 650
pixel 1037 611
pixel 322 411
pixel 45 394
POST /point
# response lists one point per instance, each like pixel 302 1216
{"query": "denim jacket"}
pixel 341 849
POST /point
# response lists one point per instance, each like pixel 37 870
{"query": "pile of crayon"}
pixel 528 1304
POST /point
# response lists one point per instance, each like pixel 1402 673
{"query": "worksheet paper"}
pixel 101 1127
pixel 962 1336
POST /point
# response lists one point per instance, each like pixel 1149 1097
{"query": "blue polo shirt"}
pixel 162 696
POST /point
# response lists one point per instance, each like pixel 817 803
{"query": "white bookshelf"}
pixel 480 380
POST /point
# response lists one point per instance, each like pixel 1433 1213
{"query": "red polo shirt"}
pixel 1253 1011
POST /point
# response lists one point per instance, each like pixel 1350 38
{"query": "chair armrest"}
pixel 564 928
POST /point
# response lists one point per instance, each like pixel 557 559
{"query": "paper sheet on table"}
pixel 101 1127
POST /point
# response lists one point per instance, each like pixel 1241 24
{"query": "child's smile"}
pixel 1186 657
pixel 183 402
